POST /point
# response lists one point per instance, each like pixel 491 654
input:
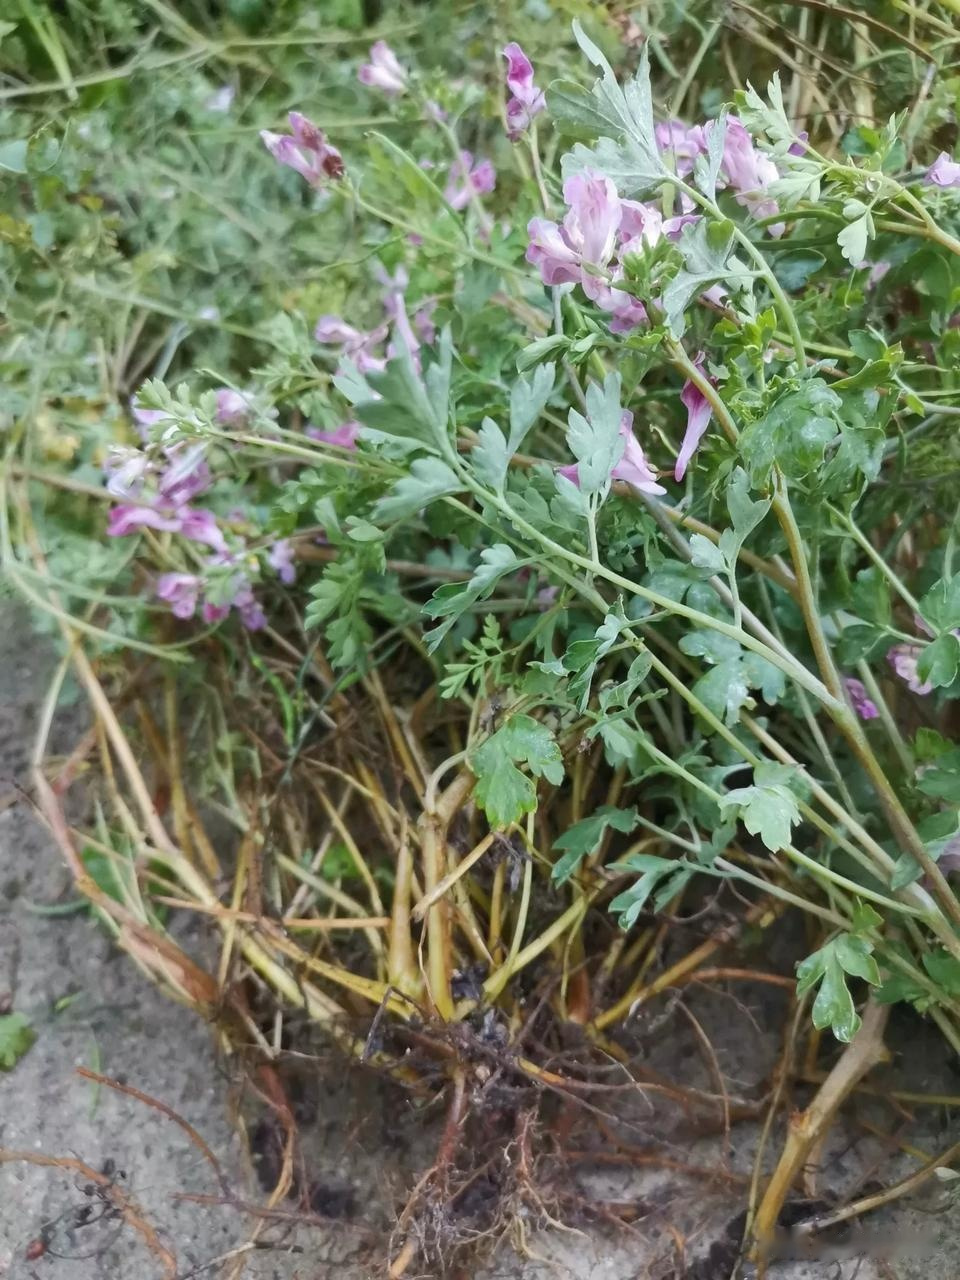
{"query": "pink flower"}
pixel 643 225
pixel 877 271
pixel 944 172
pixel 632 466
pixel 749 172
pixel 144 419
pixel 127 519
pixel 594 218
pixel 467 179
pixel 423 322
pixel 187 475
pixel 903 658
pixel 345 436
pixel 214 612
pixel 681 141
pixel 307 150
pixel 354 344
pixel 698 419
pixel 383 71
pixel 863 705
pixel 181 591
pixel 125 469
pixel 200 525
pixel 233 407
pixel 280 559
pixel 550 250
pixel 526 100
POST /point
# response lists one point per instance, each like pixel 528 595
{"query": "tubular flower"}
pixel 466 179
pixel 632 466
pixel 861 702
pixel 699 413
pixel 526 101
pixel 944 172
pixel 383 71
pixel 305 149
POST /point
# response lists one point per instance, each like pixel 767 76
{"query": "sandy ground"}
pixel 90 1007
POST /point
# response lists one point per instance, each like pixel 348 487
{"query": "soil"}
pixel 607 1214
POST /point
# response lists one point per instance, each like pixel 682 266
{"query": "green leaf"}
pixel 428 480
pixel 539 350
pixel 584 838
pixel 627 150
pixel 406 412
pixel 833 1007
pixel 16 1037
pixel 794 269
pixel 528 399
pixel 854 237
pixel 767 809
pixel 745 513
pixel 793 433
pixel 938 663
pixel 706 168
pixel 944 969
pixel 13 155
pixel 663 876
pixel 705 247
pixel 724 690
pixel 767 117
pixel 595 440
pixel 491 456
pixel 452 600
pixel 706 554
pixel 502 791
pixel 940 607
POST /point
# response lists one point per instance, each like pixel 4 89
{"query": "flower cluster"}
pixel 365 348
pixel 157 489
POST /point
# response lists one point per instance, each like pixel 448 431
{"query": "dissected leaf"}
pixel 583 839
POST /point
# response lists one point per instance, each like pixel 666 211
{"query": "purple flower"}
pixel 423 321
pixel 181 591
pixel 698 419
pixel 632 466
pixel 944 172
pixel 200 525
pixel 344 436
pixel 356 345
pixel 466 179
pixel 681 141
pixel 127 519
pixel 214 612
pixel 187 475
pixel 280 559
pixel 903 658
pixel 749 172
pixel 125 470
pixel 383 71
pixel 526 100
pixel 862 704
pixel 643 225
pixel 144 419
pixel 550 250
pixel 877 271
pixel 233 407
pixel 307 150
pixel 594 218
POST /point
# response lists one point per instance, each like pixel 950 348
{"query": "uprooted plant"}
pixel 605 567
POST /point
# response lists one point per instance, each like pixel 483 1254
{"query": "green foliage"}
pixel 846 955
pixel 16 1037
pixel 584 838
pixel 502 791
pixel 768 808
